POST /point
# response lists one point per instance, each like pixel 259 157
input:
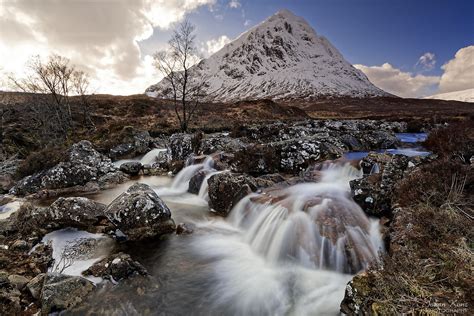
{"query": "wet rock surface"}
pixel 132 168
pixel 135 143
pixel 226 190
pixel 116 268
pixel 61 292
pixel 83 164
pixel 140 213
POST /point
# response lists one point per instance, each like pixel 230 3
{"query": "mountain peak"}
pixel 280 58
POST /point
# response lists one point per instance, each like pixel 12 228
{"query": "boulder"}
pixel 78 212
pixel 61 292
pixel 356 295
pixel 116 267
pixel 139 213
pixel 18 281
pixel 82 165
pixel 297 154
pixel 182 146
pixel 132 168
pixel 227 189
pixel 135 143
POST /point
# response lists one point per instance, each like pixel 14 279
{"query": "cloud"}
pixel 99 36
pixel 458 72
pixel 214 45
pixel 397 82
pixel 234 4
pixel 427 61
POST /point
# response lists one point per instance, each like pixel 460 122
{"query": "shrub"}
pixel 40 160
pixel 455 140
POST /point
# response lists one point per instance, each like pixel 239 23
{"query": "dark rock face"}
pixel 116 267
pixel 355 298
pixel 83 164
pixel 181 146
pixel 135 143
pixel 298 154
pixel 78 212
pixel 140 214
pixel 196 181
pixel 132 168
pixel 226 190
pixel 374 191
pixel 61 292
pixel 220 142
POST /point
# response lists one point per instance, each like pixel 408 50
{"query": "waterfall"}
pixel 290 251
pixel 151 156
pixel 204 189
pixel 180 182
pixel 316 225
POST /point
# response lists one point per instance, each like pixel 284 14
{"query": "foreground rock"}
pixel 83 164
pixel 140 214
pixel 226 190
pixel 116 267
pixel 61 292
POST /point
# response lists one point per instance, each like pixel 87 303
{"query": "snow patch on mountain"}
pixel 281 58
pixel 463 95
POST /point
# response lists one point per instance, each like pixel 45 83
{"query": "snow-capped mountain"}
pixel 463 95
pixel 280 58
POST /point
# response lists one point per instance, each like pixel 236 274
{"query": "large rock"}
pixel 298 154
pixel 135 143
pixel 140 214
pixel 226 190
pixel 196 181
pixel 182 146
pixel 373 192
pixel 61 292
pixel 82 165
pixel 78 212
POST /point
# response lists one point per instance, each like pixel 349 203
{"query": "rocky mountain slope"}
pixel 463 95
pixel 281 58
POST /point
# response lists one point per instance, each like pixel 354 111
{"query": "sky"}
pixel 406 47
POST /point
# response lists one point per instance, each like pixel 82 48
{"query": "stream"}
pixel 289 251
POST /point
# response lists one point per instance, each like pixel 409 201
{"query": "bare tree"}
pixel 57 79
pixel 81 86
pixel 182 83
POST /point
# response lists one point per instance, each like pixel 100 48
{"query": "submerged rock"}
pixel 226 190
pixel 61 292
pixel 140 213
pixel 116 267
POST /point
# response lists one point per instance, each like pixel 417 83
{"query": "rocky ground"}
pixel 424 203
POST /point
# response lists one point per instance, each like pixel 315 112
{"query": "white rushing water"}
pixel 290 251
pixel 148 159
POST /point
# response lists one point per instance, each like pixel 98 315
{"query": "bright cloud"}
pixel 427 61
pixel 234 4
pixel 214 45
pixel 459 71
pixel 99 36
pixel 397 82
